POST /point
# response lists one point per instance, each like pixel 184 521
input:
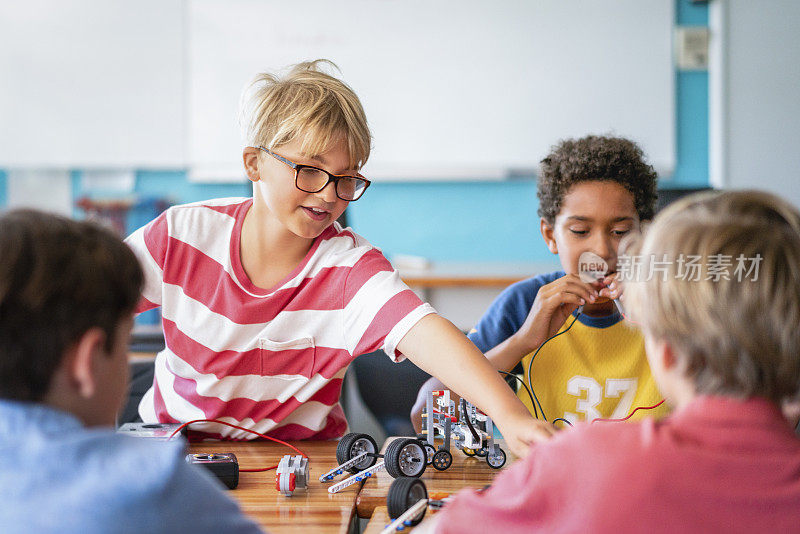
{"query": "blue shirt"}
pixel 57 476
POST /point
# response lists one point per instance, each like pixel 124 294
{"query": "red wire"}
pixel 258 470
pixel 184 425
pixel 631 414
pixel 625 316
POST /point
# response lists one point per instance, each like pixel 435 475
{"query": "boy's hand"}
pixel 553 305
pixel 520 435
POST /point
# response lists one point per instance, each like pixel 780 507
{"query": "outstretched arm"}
pixel 435 345
pixel 503 358
pixel 553 304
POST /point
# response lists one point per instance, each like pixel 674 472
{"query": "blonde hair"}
pixel 308 104
pixel 735 337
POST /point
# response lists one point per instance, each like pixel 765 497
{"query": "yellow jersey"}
pixel 598 369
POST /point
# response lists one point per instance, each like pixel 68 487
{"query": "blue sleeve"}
pixel 508 311
pixel 193 500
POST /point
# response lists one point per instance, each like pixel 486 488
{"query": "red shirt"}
pixel 718 465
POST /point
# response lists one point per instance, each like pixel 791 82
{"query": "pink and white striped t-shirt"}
pixel 269 360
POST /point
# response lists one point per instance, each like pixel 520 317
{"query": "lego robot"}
pixel 472 432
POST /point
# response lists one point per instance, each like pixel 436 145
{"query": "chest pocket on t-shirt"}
pixel 288 358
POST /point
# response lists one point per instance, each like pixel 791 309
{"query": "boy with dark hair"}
pixel 67 294
pixel 592 192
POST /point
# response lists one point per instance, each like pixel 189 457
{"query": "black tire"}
pixel 468 452
pixel 496 459
pixel 430 450
pixel 404 493
pixel 405 457
pixel 481 452
pixel 353 444
pixel 442 460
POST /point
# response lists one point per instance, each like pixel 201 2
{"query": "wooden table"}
pixel 314 510
pixel 465 472
pixel 141 357
pixel 380 518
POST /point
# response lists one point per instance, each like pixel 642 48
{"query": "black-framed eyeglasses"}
pixel 310 179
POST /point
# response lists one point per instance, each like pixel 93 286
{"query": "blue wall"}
pixel 170 186
pixel 454 221
pixel 691 98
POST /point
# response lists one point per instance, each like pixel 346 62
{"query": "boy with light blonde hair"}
pixel 723 344
pixel 266 300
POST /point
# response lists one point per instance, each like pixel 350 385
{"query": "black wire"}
pixel 521 381
pixel 537 401
pixel 530 364
pixel 462 404
pixel 561 419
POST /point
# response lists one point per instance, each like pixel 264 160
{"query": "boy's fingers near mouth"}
pixel 613 288
pixel 608 293
pixel 584 289
pixel 566 288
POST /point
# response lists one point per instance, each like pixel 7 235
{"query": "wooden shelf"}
pixel 472 274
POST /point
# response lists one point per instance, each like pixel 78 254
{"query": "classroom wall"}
pixel 455 221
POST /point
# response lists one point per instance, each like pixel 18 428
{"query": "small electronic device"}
pixel 222 465
pixel 292 474
pixel 157 431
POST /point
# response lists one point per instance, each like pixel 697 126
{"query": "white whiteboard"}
pixel 453 89
pixel 92 83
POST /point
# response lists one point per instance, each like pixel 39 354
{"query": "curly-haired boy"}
pixel 593 192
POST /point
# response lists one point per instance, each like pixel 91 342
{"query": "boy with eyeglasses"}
pixel 266 300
